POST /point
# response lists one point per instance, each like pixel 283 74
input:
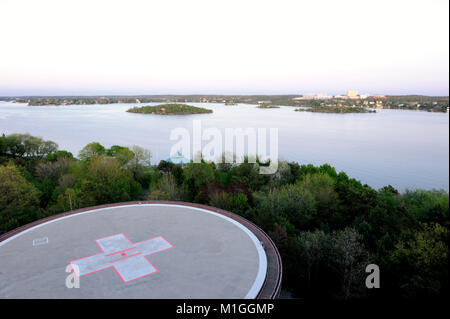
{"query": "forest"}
pixel 327 226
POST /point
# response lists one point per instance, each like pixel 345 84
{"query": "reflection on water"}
pixel 401 148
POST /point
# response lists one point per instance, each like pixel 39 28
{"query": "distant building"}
pixel 352 94
pixel 378 96
pixel 308 96
pixel 322 96
pixel 319 96
pixel 379 104
pixel 178 158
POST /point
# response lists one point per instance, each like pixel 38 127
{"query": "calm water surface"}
pixel 406 149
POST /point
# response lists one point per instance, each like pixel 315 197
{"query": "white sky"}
pixel 223 47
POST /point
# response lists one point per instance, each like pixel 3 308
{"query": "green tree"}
pixel 59 154
pixel 321 187
pixel 177 173
pixel 196 175
pixel 108 182
pixel 422 262
pixel 26 145
pixel 91 150
pixel 165 166
pixel 293 202
pixel 3 145
pixel 167 185
pixel 248 174
pixel 349 258
pixel 311 276
pixel 428 205
pixel 19 200
pixel 141 160
pixel 121 153
pixel 329 265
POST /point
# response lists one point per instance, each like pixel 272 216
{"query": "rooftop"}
pixel 140 250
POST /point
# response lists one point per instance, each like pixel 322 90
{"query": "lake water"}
pixel 406 149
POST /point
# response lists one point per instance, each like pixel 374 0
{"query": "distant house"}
pixel 308 96
pixel 323 96
pixel 178 158
pixel 319 96
pixel 379 104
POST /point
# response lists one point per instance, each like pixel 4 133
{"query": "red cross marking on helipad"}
pixel 128 259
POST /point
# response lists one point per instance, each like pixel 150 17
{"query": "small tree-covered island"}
pixel 335 109
pixel 267 106
pixel 169 109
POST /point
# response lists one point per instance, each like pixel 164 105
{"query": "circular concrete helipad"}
pixel 140 250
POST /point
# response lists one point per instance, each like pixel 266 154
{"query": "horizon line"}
pixel 197 94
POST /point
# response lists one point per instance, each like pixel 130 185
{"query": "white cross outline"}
pixel 114 254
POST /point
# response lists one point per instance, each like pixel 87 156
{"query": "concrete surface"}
pixel 139 251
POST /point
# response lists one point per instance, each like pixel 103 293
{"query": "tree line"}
pixel 327 226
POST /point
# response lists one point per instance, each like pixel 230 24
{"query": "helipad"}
pixel 140 250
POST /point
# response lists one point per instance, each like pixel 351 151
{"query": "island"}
pixel 169 109
pixel 267 106
pixel 400 102
pixel 336 109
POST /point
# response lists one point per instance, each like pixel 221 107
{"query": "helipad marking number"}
pixel 40 241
